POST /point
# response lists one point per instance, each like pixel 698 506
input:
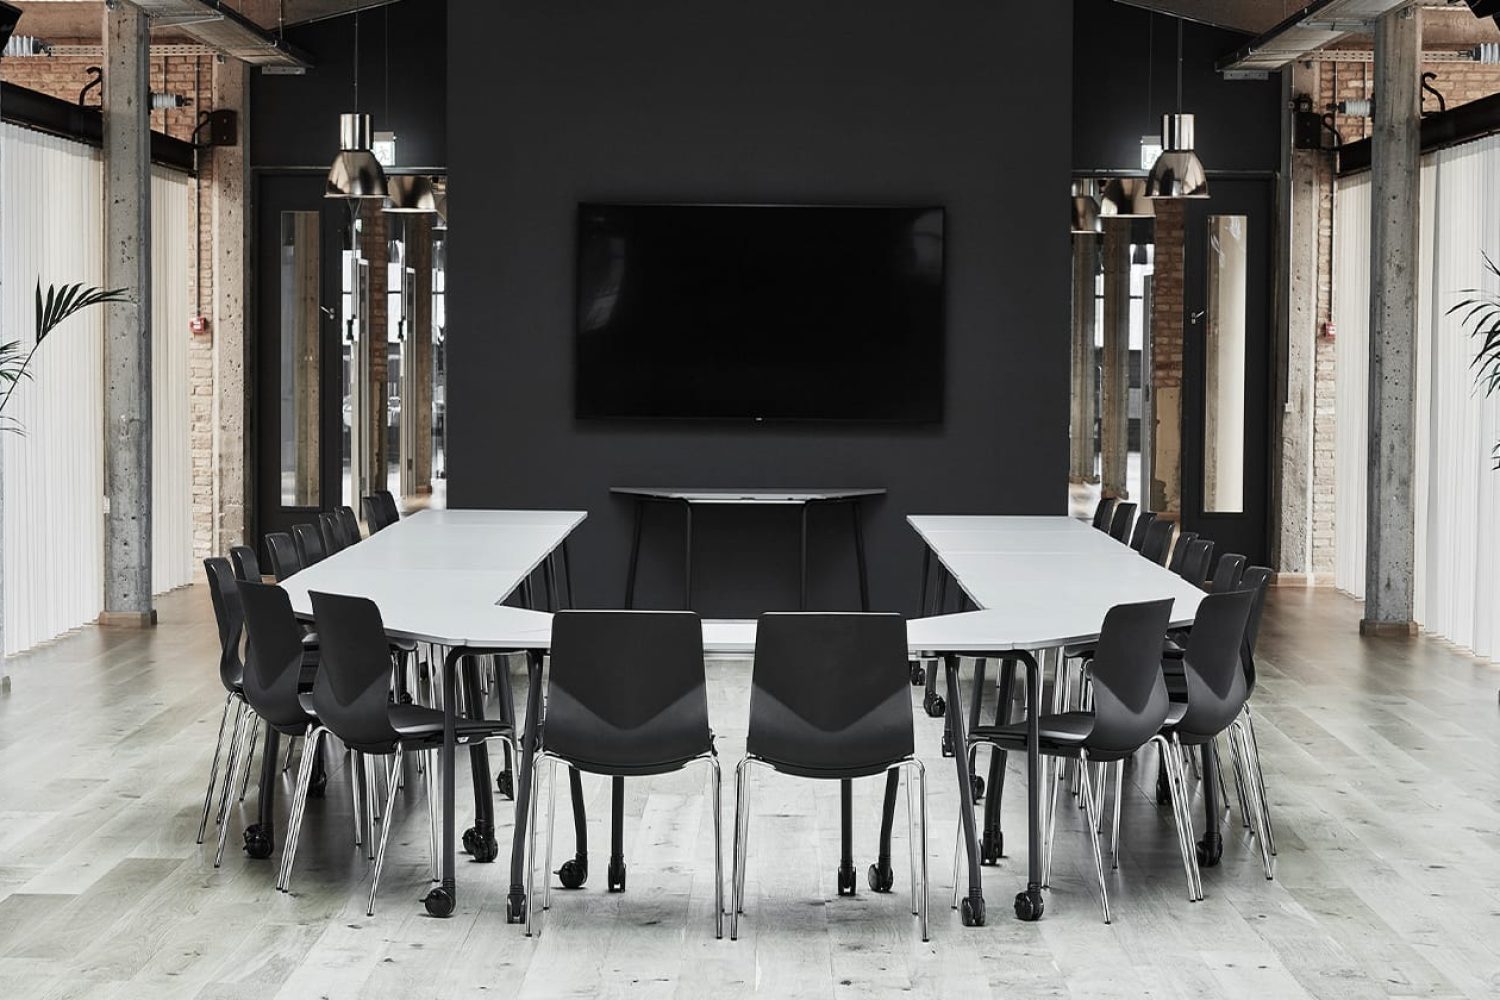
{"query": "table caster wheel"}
pixel 918 675
pixel 480 845
pixel 439 902
pixel 515 908
pixel 574 872
pixel 978 785
pixel 1210 850
pixel 616 875
pixel 991 847
pixel 1029 905
pixel 881 878
pixel 505 783
pixel 846 880
pixel 971 911
pixel 934 706
pixel 259 842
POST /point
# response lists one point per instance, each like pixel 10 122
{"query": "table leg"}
pixel 802 561
pixel 616 873
pixel 992 841
pixel 859 556
pixel 846 837
pixel 635 554
pixel 516 912
pixel 575 872
pixel 260 837
pixel 1211 845
pixel 972 905
pixel 479 839
pixel 881 877
pixel 1029 905
pixel 441 900
pixel 549 580
pixel 567 568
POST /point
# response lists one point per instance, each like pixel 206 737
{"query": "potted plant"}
pixel 1481 317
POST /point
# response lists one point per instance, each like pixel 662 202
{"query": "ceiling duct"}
pixel 216 24
pixel 1318 24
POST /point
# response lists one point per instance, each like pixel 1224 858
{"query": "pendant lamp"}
pixel 1086 208
pixel 1178 173
pixel 355 172
pixel 411 194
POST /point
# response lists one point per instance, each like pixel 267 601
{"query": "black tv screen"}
pixel 756 312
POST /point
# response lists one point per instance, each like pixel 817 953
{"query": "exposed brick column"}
pixel 1166 360
pixel 375 250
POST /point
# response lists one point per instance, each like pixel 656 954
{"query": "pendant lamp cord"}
pixel 1179 65
pixel 1150 70
pixel 356 60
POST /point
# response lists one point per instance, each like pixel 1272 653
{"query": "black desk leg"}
pixel 260 837
pixel 505 782
pixel 479 839
pixel 980 670
pixel 635 554
pixel 616 874
pixel 933 702
pixel 802 561
pixel 687 556
pixel 1211 846
pixel 549 581
pixel 992 841
pixel 1029 905
pixel 575 871
pixel 567 568
pixel 441 900
pixel 918 672
pixel 880 876
pixel 846 837
pixel 859 556
pixel 972 905
pixel 516 912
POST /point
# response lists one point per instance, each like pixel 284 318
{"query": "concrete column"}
pixel 1394 208
pixel 233 472
pixel 1297 281
pixel 127 325
pixel 1085 359
pixel 1114 435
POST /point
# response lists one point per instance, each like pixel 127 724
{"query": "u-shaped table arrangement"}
pixel 1034 584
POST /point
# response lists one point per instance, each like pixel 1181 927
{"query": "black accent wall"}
pixel 964 104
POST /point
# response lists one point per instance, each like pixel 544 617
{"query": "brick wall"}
pixel 192 77
pixel 1166 358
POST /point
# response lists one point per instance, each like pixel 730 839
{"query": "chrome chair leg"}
pixel 741 838
pixel 385 832
pixel 1056 765
pixel 1185 804
pixel 299 806
pixel 430 779
pixel 236 759
pixel 286 759
pixel 372 792
pixel 213 769
pixel 958 850
pixel 716 780
pixel 922 844
pixel 911 840
pixel 1089 802
pixel 1260 778
pixel 1170 766
pixel 1240 742
pixel 1114 836
pixel 551 820
pixel 531 906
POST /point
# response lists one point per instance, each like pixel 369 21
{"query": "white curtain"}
pixel 1457 492
pixel 51 226
pixel 52 230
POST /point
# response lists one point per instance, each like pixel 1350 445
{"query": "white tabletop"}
pixel 745 496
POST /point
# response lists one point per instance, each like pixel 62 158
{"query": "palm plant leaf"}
pixel 60 303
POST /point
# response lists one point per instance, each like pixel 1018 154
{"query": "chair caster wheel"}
pixel 991 847
pixel 1210 851
pixel 977 783
pixel 935 706
pixel 846 880
pixel 574 872
pixel 971 911
pixel 481 846
pixel 439 902
pixel 505 784
pixel 616 875
pixel 515 908
pixel 259 842
pixel 881 878
pixel 918 675
pixel 1029 905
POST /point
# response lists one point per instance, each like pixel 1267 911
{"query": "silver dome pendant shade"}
pixel 355 172
pixel 1177 173
pixel 1086 209
pixel 411 194
pixel 1125 198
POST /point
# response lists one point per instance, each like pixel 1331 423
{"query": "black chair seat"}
pixel 1064 729
pixel 420 724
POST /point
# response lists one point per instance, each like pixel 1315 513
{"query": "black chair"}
pixel 223 591
pixel 1158 541
pixel 1227 573
pixel 626 697
pixel 386 500
pixel 828 699
pixel 1179 550
pixel 1215 696
pixel 331 531
pixel 1142 528
pixel 1130 706
pixel 1124 517
pixel 283 552
pixel 246 566
pixel 375 514
pixel 352 701
pixel 350 524
pixel 1104 512
pixel 309 539
pixel 1196 560
pixel 1257 580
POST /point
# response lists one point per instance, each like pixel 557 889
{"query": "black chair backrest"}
pixel 273 656
pixel 375 514
pixel 1216 683
pixel 1227 573
pixel 829 694
pixel 224 591
pixel 350 523
pixel 1195 562
pixel 309 539
pixel 1257 580
pixel 1158 541
pixel 246 566
pixel 1130 694
pixel 1142 527
pixel 627 692
pixel 1180 548
pixel 283 552
pixel 351 694
pixel 331 531
pixel 1119 528
pixel 387 502
pixel 1104 512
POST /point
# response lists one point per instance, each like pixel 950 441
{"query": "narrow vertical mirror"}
pixel 300 359
pixel 1224 366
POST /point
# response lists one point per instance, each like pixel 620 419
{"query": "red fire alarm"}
pixel 198 324
pixel 1329 331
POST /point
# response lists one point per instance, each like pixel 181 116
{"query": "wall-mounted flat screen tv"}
pixel 760 312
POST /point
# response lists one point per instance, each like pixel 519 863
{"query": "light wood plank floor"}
pixel 1381 758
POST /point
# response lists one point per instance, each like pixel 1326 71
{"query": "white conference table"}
pixel 440 577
